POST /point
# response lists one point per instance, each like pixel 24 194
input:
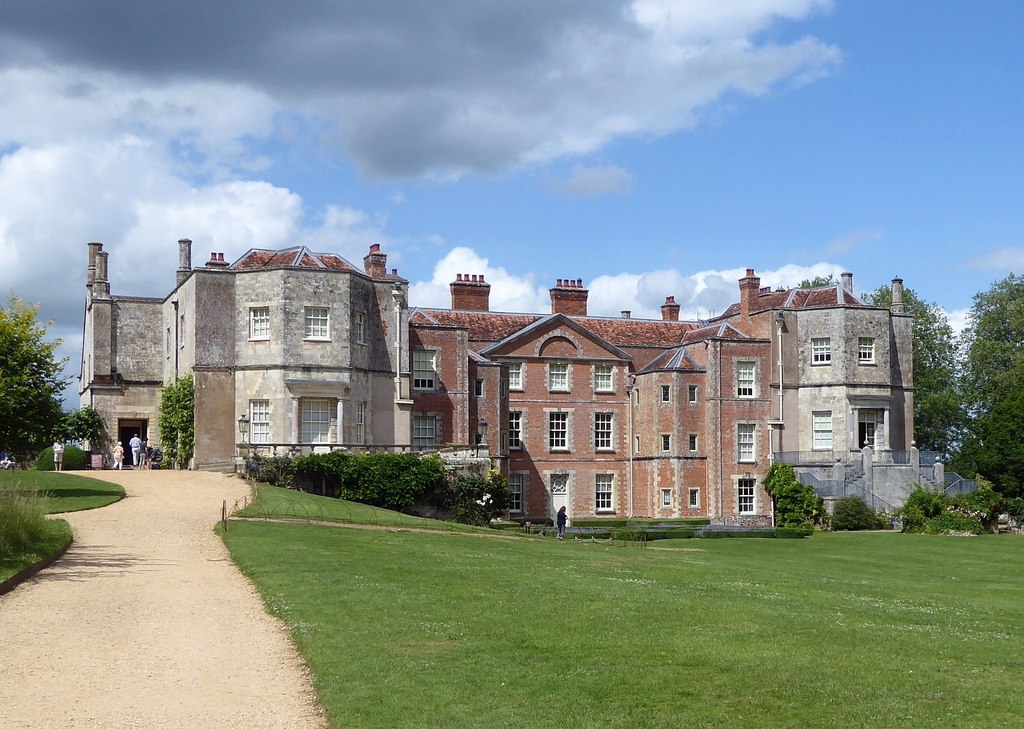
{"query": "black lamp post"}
pixel 243 427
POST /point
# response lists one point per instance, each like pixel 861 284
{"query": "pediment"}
pixel 555 336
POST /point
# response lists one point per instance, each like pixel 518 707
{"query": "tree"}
pixel 817 282
pixel 30 380
pixel 177 420
pixel 796 504
pixel 993 385
pixel 939 416
pixel 82 425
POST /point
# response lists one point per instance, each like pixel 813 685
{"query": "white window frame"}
pixel 691 394
pixel 666 442
pixel 515 430
pixel 746 378
pixel 424 369
pixel 360 434
pixel 558 376
pixel 746 496
pixel 515 375
pixel 558 430
pixel 360 327
pixel 694 499
pixel 822 438
pixel 666 498
pixel 259 421
pixel 315 420
pixel 821 350
pixel 666 393
pixel 604 378
pixel 317 321
pixel 693 442
pixel 424 430
pixel 604 492
pixel 259 323
pixel 516 484
pixel 478 388
pixel 746 443
pixel 865 350
pixel 604 424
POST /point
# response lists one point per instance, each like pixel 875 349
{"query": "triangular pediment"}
pixel 555 336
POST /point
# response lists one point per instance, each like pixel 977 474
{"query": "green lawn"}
pixel 66 491
pixel 408 629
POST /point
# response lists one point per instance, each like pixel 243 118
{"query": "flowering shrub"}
pixel 474 499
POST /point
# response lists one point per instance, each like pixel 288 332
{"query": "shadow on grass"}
pixel 82 563
pixel 72 493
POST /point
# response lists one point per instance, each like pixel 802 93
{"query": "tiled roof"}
pixel 720 330
pixel 676 358
pixel 295 257
pixel 483 326
pixel 833 295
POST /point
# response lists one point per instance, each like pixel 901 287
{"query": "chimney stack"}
pixel 847 278
pixel 101 285
pixel 375 263
pixel 184 260
pixel 670 309
pixel 627 314
pixel 569 297
pixel 90 271
pixel 217 261
pixel 470 293
pixel 897 296
pixel 750 285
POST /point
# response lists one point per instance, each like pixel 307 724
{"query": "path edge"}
pixel 32 570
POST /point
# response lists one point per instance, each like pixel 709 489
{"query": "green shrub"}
pixel 796 504
pixel 650 535
pixel 921 506
pixel 74 459
pixel 635 523
pixel 22 520
pixel 851 514
pixel 953 522
pixel 777 533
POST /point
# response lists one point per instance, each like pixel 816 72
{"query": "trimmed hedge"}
pixel 779 533
pixel 651 535
pixel 74 459
pixel 636 523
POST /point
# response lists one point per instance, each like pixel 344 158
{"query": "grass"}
pixel 65 491
pixel 408 629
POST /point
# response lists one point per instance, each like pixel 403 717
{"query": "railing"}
pixel 930 458
pixel 955 485
pixel 800 458
pixel 895 458
pixel 291 450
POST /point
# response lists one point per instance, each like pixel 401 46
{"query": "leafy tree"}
pixel 939 416
pixel 993 384
pixel 817 282
pixel 83 425
pixel 177 419
pixel 796 504
pixel 30 380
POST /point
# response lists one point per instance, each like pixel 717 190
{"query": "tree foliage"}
pixel 939 416
pixel 30 380
pixel 993 386
pixel 817 282
pixel 852 514
pixel 796 504
pixel 177 421
pixel 84 424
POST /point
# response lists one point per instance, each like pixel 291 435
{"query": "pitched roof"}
pixel 825 296
pixel 676 358
pixel 294 257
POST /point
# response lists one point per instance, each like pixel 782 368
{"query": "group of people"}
pixel 140 453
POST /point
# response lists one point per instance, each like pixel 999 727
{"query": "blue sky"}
pixel 649 147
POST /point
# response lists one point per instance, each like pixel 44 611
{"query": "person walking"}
pixel 144 456
pixel 136 445
pixel 560 519
pixel 118 455
pixel 58 455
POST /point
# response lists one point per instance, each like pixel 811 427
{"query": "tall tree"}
pixel 30 380
pixel 939 417
pixel 993 384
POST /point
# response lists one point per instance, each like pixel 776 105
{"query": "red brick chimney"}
pixel 470 293
pixel 375 263
pixel 569 297
pixel 750 286
pixel 217 260
pixel 670 309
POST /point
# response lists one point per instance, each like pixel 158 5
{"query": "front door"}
pixel 559 493
pixel 866 422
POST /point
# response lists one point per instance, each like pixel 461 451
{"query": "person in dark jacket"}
pixel 560 521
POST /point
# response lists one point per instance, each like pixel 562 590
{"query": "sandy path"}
pixel 145 622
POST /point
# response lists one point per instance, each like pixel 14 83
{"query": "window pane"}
pixel 316 323
pixel 603 492
pixel 745 442
pixel 259 418
pixel 515 375
pixel 666 393
pixel 666 442
pixel 316 420
pixel 821 350
pixel 694 498
pixel 423 369
pixel 515 429
pixel 744 379
pixel 666 498
pixel 360 423
pixel 822 424
pixel 603 378
pixel 259 322
pixel 515 485
pixel 603 430
pixel 693 441
pixel 558 376
pixel 691 393
pixel 424 430
pixel 558 424
pixel 745 496
pixel 866 350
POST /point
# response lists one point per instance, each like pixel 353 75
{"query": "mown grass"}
pixel 275 502
pixel 407 629
pixel 65 491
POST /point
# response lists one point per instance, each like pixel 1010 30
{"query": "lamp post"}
pixel 243 428
pixel 481 436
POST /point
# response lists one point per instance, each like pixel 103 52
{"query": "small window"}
pixel 602 431
pixel 666 442
pixel 259 322
pixel 821 350
pixel 424 368
pixel 478 388
pixel 424 430
pixel 515 429
pixel 822 424
pixel 603 492
pixel 360 436
pixel 666 393
pixel 558 376
pixel 744 379
pixel 745 496
pixel 558 431
pixel 666 498
pixel 360 327
pixel 694 498
pixel 691 394
pixel 636 444
pixel 865 350
pixel 515 375
pixel 745 442
pixel 693 442
pixel 603 378
pixel 317 323
pixel 515 486
pixel 259 419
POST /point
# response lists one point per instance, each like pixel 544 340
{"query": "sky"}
pixel 648 147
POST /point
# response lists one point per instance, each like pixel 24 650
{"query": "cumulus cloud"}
pixel 404 88
pixel 509 292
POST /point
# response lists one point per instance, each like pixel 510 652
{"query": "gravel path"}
pixel 145 622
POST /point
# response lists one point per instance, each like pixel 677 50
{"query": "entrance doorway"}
pixel 867 421
pixel 559 493
pixel 128 428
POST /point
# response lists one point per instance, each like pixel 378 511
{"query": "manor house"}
pixel 294 351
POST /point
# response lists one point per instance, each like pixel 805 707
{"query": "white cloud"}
pixel 509 292
pixel 586 181
pixel 958 319
pixel 1007 258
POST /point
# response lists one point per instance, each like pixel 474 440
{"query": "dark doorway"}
pixel 125 430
